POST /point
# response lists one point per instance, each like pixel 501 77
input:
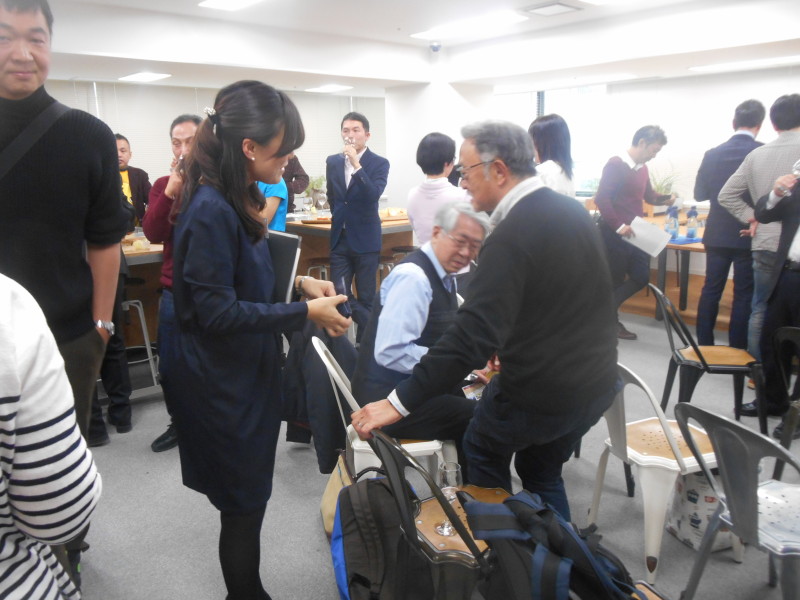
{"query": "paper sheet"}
pixel 648 237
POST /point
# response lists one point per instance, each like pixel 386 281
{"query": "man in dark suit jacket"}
pixel 135 182
pixel 356 179
pixel 783 308
pixel 723 240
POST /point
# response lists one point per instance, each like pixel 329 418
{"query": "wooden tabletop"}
pixel 392 225
pixel 431 514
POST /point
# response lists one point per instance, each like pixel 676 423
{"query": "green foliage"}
pixel 317 184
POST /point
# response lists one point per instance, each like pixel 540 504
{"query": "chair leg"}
pixel 629 481
pixel 790 577
pixel 656 486
pixel 772 571
pixel 598 486
pixel 689 376
pixel 577 451
pixel 703 552
pixel 672 369
pixel 738 394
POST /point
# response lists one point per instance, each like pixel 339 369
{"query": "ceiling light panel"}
pixel 550 10
pixel 145 77
pixel 229 5
pixel 472 26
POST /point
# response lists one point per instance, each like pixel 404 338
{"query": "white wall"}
pixel 143 114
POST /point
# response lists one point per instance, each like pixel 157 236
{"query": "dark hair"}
pixel 552 141
pixel 355 116
pixel 504 141
pixel 31 6
pixel 785 112
pixel 242 110
pixel 184 119
pixel 119 136
pixel 651 134
pixel 434 152
pixel 749 113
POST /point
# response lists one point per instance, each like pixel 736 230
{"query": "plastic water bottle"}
pixel 671 225
pixel 691 223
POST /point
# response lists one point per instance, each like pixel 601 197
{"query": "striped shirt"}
pixel 49 485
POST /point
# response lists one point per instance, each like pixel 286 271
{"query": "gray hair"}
pixel 505 141
pixel 447 216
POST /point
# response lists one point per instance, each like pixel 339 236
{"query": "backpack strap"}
pixel 369 532
pixel 20 145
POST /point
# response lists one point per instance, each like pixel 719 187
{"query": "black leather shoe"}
pixel 166 441
pixel 99 440
pixel 750 409
pixel 624 334
pixel 124 427
pixel 778 432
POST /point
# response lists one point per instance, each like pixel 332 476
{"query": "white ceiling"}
pixel 296 44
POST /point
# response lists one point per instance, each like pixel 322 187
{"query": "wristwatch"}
pixel 107 325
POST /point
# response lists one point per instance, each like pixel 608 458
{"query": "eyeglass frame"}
pixel 472 245
pixel 462 170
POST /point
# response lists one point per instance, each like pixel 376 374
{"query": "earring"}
pixel 252 158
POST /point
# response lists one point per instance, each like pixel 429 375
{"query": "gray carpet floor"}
pixel 153 539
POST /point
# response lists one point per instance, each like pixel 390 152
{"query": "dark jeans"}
pixel 345 263
pixel 167 331
pixel 718 264
pixel 783 310
pixel 542 443
pixel 440 418
pixel 625 260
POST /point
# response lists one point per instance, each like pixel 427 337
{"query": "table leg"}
pixel 684 281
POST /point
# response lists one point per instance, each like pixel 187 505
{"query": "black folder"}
pixel 284 249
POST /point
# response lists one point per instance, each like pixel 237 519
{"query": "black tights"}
pixel 240 554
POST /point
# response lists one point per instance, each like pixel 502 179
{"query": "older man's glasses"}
pixel 463 171
pixel 473 245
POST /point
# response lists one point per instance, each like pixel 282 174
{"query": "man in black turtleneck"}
pixel 62 218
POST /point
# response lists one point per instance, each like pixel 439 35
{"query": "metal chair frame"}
pixel 763 514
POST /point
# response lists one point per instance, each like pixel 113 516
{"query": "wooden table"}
pixel 316 239
pixel 145 265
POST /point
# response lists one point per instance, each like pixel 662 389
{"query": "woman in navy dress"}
pixel 226 381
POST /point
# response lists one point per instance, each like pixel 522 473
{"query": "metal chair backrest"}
pixel 339 381
pixel 617 421
pixel 738 450
pixel 395 459
pixel 675 325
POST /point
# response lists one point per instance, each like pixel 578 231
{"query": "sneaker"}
pixel 624 334
pixel 166 441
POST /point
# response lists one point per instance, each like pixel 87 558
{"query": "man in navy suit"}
pixel 723 240
pixel 356 179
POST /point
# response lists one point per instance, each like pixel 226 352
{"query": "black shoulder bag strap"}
pixel 29 136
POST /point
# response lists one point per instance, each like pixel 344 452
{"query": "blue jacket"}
pixel 722 228
pixel 357 206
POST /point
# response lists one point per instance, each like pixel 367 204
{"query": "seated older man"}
pixel 417 303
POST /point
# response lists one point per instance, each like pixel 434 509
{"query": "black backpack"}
pixel 537 554
pixel 371 558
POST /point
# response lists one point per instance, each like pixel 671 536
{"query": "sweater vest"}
pixel 372 381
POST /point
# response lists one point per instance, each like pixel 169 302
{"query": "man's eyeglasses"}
pixel 461 243
pixel 462 170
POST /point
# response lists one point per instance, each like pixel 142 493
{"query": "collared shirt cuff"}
pixel 773 199
pixel 395 401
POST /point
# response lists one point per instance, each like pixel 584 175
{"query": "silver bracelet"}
pixel 299 287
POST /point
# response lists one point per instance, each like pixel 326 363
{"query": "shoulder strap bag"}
pixel 29 136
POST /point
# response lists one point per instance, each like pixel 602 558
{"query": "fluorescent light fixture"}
pixel 487 23
pixel 550 10
pixel 745 65
pixel 330 88
pixel 229 5
pixel 605 2
pixel 144 77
